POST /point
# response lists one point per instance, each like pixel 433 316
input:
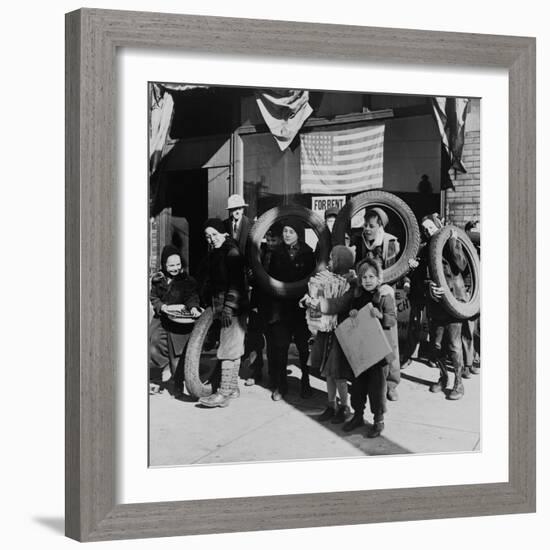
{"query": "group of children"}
pixel 173 287
pixel 365 287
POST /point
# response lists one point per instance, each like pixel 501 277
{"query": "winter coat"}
pixel 287 269
pixel 385 249
pixel 182 289
pixel 336 363
pixel 242 231
pixel 225 285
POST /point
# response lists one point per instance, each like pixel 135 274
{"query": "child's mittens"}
pixel 376 313
pixel 195 312
pixel 157 277
pixel 353 317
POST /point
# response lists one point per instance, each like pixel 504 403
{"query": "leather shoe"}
pixel 376 430
pixel 356 422
pixel 392 394
pixel 474 369
pixel 340 416
pixel 456 393
pixel 327 414
pixel 235 394
pixel 276 395
pixel 215 400
pixel 439 386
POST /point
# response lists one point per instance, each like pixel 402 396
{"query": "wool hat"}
pixel 295 224
pixel 331 212
pixel 276 230
pixel 434 218
pixel 167 251
pixel 342 259
pixel 376 211
pixel 235 201
pixel 215 223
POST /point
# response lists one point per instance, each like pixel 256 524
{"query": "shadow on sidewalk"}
pixel 313 406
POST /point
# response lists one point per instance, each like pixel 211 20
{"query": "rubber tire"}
pixel 370 199
pixel 457 309
pixel 193 383
pixel 262 278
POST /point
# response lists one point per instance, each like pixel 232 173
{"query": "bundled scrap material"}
pixel 324 285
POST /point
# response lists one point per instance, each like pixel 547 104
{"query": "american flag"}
pixel 343 160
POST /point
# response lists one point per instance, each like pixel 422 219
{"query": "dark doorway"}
pixel 188 198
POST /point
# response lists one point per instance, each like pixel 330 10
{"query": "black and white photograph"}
pixel 313 273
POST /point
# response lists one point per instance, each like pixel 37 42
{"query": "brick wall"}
pixel 463 204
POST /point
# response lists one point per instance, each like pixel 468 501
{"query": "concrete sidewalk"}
pixel 255 428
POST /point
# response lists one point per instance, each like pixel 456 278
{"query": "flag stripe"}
pixel 327 171
pixel 342 188
pixel 312 164
pixel 367 175
pixel 353 147
pixel 372 133
pixel 353 156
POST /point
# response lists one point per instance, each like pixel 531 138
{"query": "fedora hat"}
pixel 235 201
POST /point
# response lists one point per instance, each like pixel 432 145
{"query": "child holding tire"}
pixel 443 325
pixel 226 290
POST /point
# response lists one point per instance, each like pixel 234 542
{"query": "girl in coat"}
pixel 326 353
pixel 371 383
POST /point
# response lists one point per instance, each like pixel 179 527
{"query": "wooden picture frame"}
pixel 92 39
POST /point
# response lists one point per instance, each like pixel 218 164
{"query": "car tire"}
pixel 370 199
pixel 261 277
pixel 193 383
pixel 457 309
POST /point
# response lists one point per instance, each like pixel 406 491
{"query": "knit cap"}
pixel 215 223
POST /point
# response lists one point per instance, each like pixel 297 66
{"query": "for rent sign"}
pixel 323 203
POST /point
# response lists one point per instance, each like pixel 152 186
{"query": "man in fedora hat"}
pixel 237 224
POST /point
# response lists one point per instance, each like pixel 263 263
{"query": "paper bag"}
pixel 363 341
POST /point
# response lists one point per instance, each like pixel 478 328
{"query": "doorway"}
pixel 188 199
